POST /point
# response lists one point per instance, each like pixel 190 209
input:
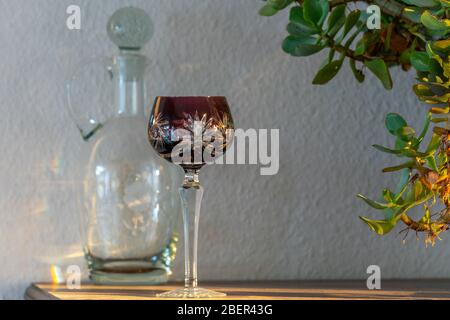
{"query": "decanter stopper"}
pixel 130 28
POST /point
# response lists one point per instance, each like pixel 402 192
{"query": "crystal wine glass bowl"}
pixel 191 132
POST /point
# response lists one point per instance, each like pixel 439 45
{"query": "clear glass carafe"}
pixel 130 203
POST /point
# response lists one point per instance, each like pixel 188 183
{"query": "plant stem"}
pixel 420 226
pixel 351 54
pixel 414 225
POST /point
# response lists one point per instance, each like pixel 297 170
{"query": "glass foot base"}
pixel 151 277
pixel 191 293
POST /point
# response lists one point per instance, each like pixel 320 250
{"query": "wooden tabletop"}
pixel 279 290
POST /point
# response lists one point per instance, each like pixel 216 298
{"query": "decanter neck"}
pixel 130 90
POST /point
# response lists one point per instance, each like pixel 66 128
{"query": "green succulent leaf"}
pixel 328 72
pixel 432 22
pixel 405 57
pixel 420 61
pixel 431 162
pixel 401 144
pixel 272 7
pixel 406 133
pixel 369 38
pixel 280 4
pixel 406 165
pixel 388 195
pixel 434 144
pixel 412 153
pixel 432 92
pixel 268 11
pixel 374 204
pixel 425 128
pixel 350 22
pixel 301 46
pixel 395 122
pixel 336 20
pixel 387 150
pixel 422 3
pixel 403 183
pixel 381 227
pixel 414 14
pixel 359 75
pixel 442 158
pixel 315 11
pixel 426 219
pixel 360 47
pixel 331 54
pixel 381 71
pixel 422 90
pixel 417 192
pixel 439 120
pixel 414 199
pixel 299 31
pixel 296 18
pixel 442 46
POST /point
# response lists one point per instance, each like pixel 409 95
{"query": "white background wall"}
pixel 299 224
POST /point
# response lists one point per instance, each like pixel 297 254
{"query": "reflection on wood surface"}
pixel 279 290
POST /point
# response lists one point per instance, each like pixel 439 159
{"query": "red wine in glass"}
pixel 198 128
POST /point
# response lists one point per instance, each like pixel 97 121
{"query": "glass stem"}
pixel 191 197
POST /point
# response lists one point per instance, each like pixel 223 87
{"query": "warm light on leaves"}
pixel 414 34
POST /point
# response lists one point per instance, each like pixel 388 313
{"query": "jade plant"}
pixel 411 34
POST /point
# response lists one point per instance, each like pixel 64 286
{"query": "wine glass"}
pixel 191 132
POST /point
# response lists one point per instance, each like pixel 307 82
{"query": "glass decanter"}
pixel 130 200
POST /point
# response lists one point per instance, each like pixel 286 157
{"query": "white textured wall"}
pixel 300 224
